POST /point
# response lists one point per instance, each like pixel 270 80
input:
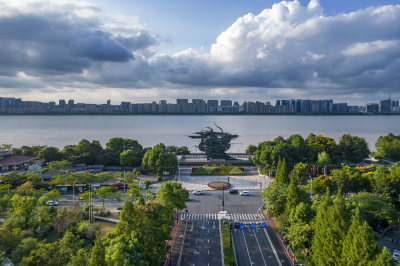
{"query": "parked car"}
pixel 396 255
pixel 236 224
pixel 244 193
pixel 198 192
pixel 52 203
pixel 233 191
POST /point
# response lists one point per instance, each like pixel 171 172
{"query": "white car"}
pixel 244 193
pixel 396 255
pixel 198 192
pixel 52 203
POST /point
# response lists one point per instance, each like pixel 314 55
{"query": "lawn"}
pixel 216 169
pixel 229 257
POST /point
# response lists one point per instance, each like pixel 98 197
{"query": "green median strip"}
pixel 229 257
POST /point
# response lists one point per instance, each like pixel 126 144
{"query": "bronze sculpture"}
pixel 214 144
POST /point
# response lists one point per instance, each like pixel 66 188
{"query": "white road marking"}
pixel 260 248
pixel 248 253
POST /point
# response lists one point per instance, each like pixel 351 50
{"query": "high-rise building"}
pixel 212 105
pixel 372 107
pixel 71 104
pixel 226 103
pixel 162 108
pixel 108 102
pixel 182 101
pixel 125 106
pixel 61 103
pixel 385 106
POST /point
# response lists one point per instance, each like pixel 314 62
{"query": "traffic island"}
pixel 229 256
pixel 219 185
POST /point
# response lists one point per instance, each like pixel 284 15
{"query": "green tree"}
pixel 330 227
pixel 172 194
pixel 353 148
pixel 274 197
pixel 97 256
pixel 104 193
pixel 323 159
pixel 158 160
pixel 251 148
pixel 384 258
pixel 388 147
pixel 321 184
pixel 299 173
pixel 14 179
pixel 21 214
pixel 374 208
pixel 24 249
pixel 60 165
pixel 282 175
pixel 359 246
pixel 293 197
pixel 50 154
pixel 130 158
pixel 87 152
pixel 80 259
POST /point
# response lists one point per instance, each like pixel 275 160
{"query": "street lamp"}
pixel 73 194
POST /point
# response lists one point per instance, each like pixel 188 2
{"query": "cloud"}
pixel 288 49
pixel 295 46
pixel 63 37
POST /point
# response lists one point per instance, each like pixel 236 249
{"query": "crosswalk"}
pixel 214 216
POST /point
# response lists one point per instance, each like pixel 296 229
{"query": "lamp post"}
pixel 73 194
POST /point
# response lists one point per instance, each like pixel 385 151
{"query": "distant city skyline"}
pixel 13 105
pixel 144 50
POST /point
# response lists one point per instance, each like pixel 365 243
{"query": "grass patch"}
pixel 106 227
pixel 214 169
pixel 229 256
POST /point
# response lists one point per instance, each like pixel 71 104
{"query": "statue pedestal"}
pixel 201 159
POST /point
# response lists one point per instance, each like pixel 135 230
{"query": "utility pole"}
pixel 223 198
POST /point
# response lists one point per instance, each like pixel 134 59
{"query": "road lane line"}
pixel 273 248
pixel 262 255
pixel 248 253
pixel 220 243
pixel 183 243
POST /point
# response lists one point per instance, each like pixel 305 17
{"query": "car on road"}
pixel 233 191
pixel 198 192
pixel 396 255
pixel 236 224
pixel 52 203
pixel 244 193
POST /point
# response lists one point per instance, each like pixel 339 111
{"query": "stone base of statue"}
pixel 201 158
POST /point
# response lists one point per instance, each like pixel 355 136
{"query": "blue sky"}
pixel 148 50
pixel 197 23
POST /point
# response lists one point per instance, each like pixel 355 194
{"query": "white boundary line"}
pixel 262 255
pixel 183 243
pixel 248 253
pixel 220 239
pixel 233 244
pixel 273 248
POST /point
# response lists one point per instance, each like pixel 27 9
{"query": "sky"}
pixel 147 50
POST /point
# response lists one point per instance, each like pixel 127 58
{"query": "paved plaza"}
pixel 245 182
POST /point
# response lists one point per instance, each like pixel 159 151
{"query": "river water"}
pixel 174 129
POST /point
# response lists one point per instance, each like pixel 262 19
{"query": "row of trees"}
pixel 314 149
pixel 118 151
pixel 37 234
pixel 327 229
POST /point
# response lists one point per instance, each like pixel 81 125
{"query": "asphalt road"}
pixel 211 202
pixel 252 247
pixel 202 245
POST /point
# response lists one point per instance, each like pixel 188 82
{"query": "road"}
pixel 202 245
pixel 252 247
pixel 211 202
